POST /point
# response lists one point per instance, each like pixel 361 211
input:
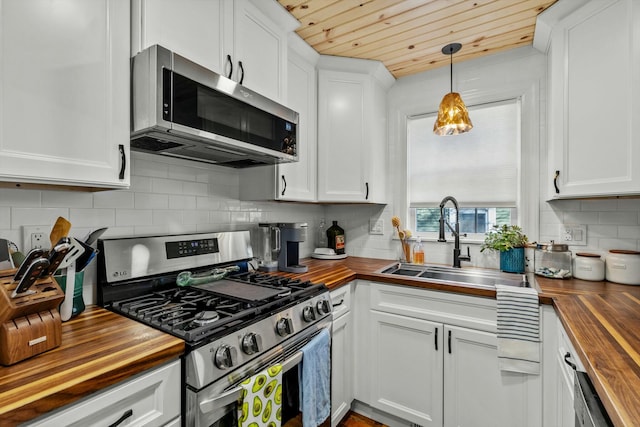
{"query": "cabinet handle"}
pixel 366 196
pixel 436 340
pixel 284 182
pixel 449 340
pixel 242 72
pixel 123 161
pixel 128 413
pixel 555 181
pixel 230 62
pixel 339 303
pixel 568 362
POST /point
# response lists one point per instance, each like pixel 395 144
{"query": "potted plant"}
pixel 510 241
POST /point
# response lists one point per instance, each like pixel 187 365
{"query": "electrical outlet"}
pixel 35 236
pixel 573 234
pixel 376 226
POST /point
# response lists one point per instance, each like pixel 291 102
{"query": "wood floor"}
pixel 356 420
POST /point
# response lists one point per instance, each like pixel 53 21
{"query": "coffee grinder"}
pixel 291 235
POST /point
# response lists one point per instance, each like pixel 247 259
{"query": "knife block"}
pixel 29 324
pixel 47 296
pixel 27 336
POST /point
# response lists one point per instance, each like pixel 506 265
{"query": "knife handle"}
pixel 56 256
pixel 32 274
pixel 31 256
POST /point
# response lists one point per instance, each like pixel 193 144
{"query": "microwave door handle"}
pixel 230 396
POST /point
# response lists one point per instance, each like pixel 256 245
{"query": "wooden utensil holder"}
pixel 29 324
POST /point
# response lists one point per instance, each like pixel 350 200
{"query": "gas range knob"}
pixel 251 343
pixel 308 314
pixel 284 327
pixel 323 307
pixel 225 356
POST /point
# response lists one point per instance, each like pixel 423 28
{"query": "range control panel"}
pixel 185 248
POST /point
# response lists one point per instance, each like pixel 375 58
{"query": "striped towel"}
pixel 518 329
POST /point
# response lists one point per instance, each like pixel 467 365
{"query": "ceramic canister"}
pixel 622 266
pixel 588 266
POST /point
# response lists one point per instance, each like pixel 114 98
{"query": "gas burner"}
pixel 206 317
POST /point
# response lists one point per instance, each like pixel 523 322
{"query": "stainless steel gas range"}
pixel 233 327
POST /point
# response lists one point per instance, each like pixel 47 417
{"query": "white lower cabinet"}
pixel 151 399
pixel 433 361
pixel 341 354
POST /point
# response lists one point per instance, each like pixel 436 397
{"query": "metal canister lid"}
pixel 553 247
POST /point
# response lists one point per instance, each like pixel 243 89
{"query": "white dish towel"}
pixel 518 329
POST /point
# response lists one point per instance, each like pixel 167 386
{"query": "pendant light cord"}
pixel 451 68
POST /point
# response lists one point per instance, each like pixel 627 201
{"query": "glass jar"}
pixel 553 260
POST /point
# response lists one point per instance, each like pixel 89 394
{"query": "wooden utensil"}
pixel 60 229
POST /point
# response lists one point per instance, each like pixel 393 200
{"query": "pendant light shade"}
pixel 453 117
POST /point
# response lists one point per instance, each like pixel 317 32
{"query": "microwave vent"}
pixel 146 143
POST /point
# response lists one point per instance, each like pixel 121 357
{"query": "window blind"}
pixel 478 168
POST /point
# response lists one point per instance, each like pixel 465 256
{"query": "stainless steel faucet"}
pixel 456 232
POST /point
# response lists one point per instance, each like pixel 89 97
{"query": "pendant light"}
pixel 453 117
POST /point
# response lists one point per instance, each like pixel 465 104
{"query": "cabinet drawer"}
pixel 445 307
pixel 152 399
pixel 567 353
pixel 341 300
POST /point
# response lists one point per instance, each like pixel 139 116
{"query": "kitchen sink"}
pixel 465 276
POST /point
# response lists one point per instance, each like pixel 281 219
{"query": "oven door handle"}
pixel 230 396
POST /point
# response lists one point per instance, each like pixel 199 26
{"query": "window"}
pixel 480 169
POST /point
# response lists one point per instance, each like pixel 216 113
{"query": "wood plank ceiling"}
pixel 407 36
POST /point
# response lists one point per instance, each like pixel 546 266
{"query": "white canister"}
pixel 588 266
pixel 622 266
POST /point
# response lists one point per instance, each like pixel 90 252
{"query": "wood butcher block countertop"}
pixel 99 348
pixel 602 319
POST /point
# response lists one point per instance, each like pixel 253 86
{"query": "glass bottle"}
pixel 418 252
pixel 336 238
pixel 321 238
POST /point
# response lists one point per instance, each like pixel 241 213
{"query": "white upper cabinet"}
pixel 352 130
pixel 64 92
pixel 241 39
pixel 594 99
pixel 292 181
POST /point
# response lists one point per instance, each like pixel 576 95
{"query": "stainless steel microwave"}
pixel 181 109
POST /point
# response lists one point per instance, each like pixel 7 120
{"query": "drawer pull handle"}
pixel 284 185
pixel 555 181
pixel 128 413
pixel 568 362
pixel 230 62
pixel 242 71
pixel 449 342
pixel 123 159
pixel 436 340
pixel 339 303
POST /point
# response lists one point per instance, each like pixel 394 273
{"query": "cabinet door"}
pixel 259 52
pixel 594 108
pixel 64 92
pixel 297 181
pixel 476 392
pixel 406 368
pixel 191 28
pixel 341 368
pixel 342 151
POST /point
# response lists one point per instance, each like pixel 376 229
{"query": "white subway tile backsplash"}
pixel 601 231
pixel 166 186
pixel 133 217
pixel 551 217
pixel 118 199
pixel 629 231
pixel 5 218
pixel 618 218
pixel 195 188
pixel 194 217
pixel 151 201
pixel 36 216
pixel 627 244
pixel 579 217
pixel 600 205
pixel 140 184
pixel 67 199
pixel 629 205
pixel 95 218
pixel 19 198
pixel 182 202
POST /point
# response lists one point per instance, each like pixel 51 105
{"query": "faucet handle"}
pixel 466 257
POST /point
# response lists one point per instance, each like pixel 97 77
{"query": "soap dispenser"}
pixel 418 252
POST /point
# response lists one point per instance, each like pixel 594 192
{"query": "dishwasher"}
pixel 589 409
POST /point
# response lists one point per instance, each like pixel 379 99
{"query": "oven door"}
pixel 217 404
